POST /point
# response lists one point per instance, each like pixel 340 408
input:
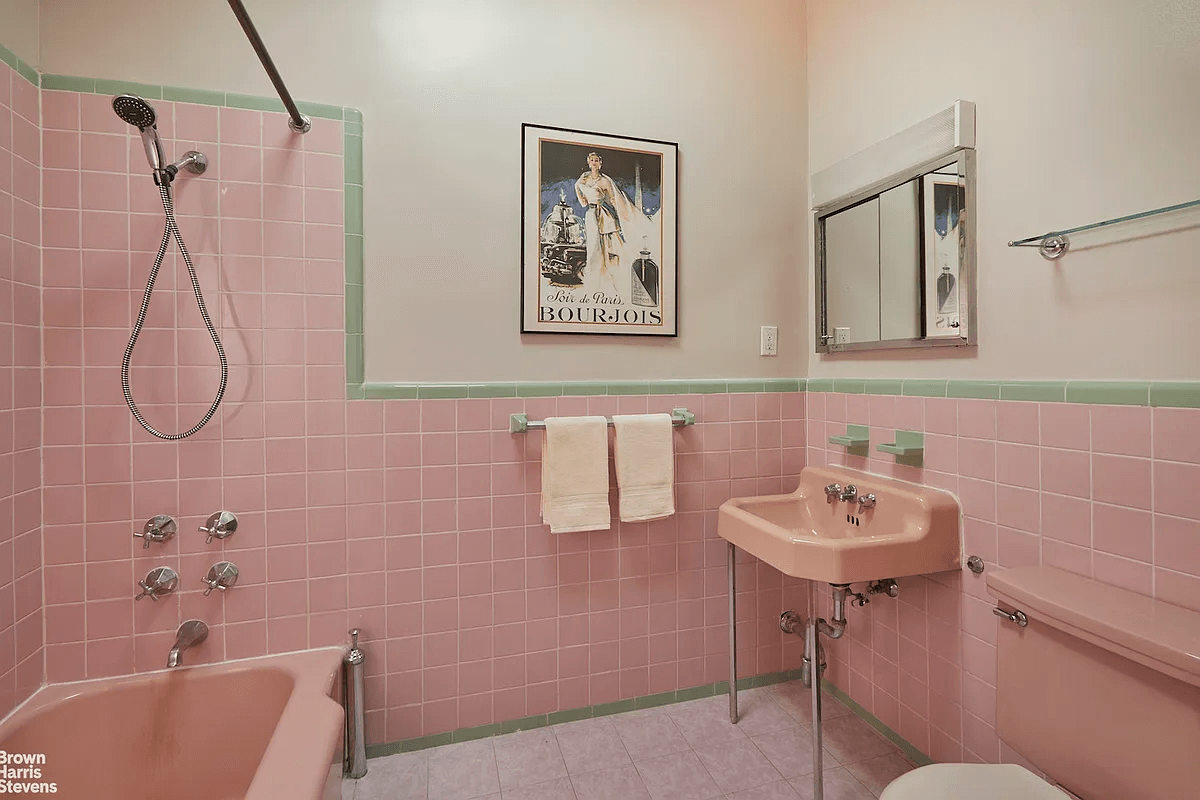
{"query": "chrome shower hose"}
pixel 171 230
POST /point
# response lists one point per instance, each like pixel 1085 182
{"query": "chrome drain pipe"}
pixel 354 762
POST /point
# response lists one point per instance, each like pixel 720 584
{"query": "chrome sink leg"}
pixel 812 644
pixel 733 712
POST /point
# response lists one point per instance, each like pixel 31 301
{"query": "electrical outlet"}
pixel 841 335
pixel 768 341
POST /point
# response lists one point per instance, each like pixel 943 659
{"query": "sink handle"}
pixel 833 493
pixel 866 501
pixel 850 493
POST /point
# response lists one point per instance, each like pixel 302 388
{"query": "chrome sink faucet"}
pixel 190 633
pixel 849 493
pixel 832 493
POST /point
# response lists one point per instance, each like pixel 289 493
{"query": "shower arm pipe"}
pixel 298 122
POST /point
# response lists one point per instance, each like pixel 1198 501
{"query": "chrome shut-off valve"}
pixel 160 528
pixel 221 575
pixel 220 525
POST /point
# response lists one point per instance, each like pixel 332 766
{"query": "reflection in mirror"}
pixel 894 263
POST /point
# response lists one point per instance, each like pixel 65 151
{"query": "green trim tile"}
pixel 669 387
pixel 442 391
pixel 925 388
pixel 8 56
pixel 352 115
pixel 68 83
pixel 27 72
pixel 355 391
pixel 144 90
pixel 655 700
pixel 1110 393
pixel 744 387
pixel 478 732
pixel 883 387
pixel 352 158
pixel 539 390
pixel 354 308
pixel 386 749
pixel 353 209
pixel 570 715
pixel 583 388
pixel 707 387
pixel 523 724
pixel 910 752
pixel 696 692
pixel 353 128
pixel 849 385
pixel 253 102
pixel 1175 395
pixel 425 742
pixel 974 390
pixel 203 97
pixel 492 390
pixel 627 387
pixel 819 385
pixel 606 709
pixel 354 259
pixel 1036 391
pixel 320 110
pixel 390 391
pixel 782 385
pixel 355 358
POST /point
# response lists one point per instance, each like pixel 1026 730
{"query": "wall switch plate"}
pixel 768 341
pixel 841 335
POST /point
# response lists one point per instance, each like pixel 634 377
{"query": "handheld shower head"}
pixel 140 114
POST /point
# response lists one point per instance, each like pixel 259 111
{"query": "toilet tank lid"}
pixel 1159 635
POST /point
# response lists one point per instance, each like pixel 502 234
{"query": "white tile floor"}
pixel 687 751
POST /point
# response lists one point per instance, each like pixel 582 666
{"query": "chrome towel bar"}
pixel 520 423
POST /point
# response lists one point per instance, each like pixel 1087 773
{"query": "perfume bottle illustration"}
pixel 644 290
pixel 947 292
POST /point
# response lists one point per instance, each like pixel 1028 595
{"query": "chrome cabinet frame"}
pixel 965 159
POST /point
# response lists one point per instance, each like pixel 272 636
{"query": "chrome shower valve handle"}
pixel 158 582
pixel 160 528
pixel 221 575
pixel 220 525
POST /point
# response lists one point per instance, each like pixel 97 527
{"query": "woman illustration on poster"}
pixel 607 208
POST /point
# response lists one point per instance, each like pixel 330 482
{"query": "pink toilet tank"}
pixel 1102 689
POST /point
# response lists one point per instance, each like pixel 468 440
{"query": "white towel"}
pixel 575 474
pixel 645 456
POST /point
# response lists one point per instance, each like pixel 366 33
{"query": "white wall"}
pixel 19 29
pixel 1087 109
pixel 444 86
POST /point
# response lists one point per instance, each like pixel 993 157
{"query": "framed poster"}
pixel 598 233
pixel 944 233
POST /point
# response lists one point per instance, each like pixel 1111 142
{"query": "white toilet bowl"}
pixel 971 782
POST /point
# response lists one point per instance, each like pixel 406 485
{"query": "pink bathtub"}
pixel 259 729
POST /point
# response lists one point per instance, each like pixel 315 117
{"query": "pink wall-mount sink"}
pixel 911 530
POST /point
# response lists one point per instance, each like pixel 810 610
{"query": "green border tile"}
pixel 583 388
pixel 27 72
pixel 974 390
pixel 655 700
pixel 68 83
pixel 627 387
pixel 352 115
pixel 849 385
pixel 570 715
pixel 144 90
pixel 203 97
pixel 320 110
pixel 884 387
pixel 697 692
pixel 355 358
pixel 912 753
pixel 1111 393
pixel 819 385
pixel 708 387
pixel 253 102
pixel 425 742
pixel 478 732
pixel 782 385
pixel 1036 391
pixel 355 391
pixel 352 158
pixel 390 391
pixel 669 387
pixel 354 259
pixel 353 214
pixel 539 390
pixel 442 391
pixel 386 749
pixel 354 308
pixel 8 56
pixel 925 388
pixel 605 709
pixel 744 386
pixel 353 128
pixel 524 724
pixel 1175 395
pixel 492 390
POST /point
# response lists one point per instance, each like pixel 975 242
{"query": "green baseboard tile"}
pixel 570 715
pixel 697 692
pixel 911 753
pixel 655 700
pixel 478 732
pixel 524 723
pixel 617 707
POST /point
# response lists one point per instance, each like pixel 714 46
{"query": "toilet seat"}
pixel 971 782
